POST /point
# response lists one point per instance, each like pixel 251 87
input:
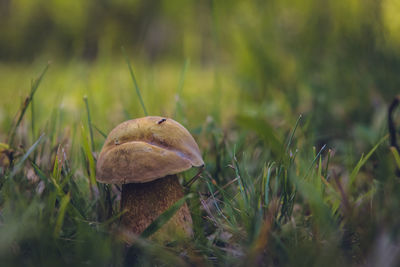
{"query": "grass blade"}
pixel 315 160
pixel 25 105
pixel 32 118
pixel 99 131
pixel 134 81
pixel 242 185
pixel 85 99
pixel 164 217
pixel 61 213
pixel 396 156
pixel 91 168
pixel 267 179
pixel 363 160
pixel 178 107
pixel 292 134
pixel 18 167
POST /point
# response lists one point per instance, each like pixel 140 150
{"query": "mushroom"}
pixel 145 155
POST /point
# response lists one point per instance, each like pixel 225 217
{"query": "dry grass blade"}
pixel 25 105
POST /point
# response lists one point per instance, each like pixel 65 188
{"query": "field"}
pixel 288 102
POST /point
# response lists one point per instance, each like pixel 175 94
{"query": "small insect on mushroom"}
pixel 161 121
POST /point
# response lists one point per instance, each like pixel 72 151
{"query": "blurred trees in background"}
pixel 306 54
pixel 86 29
pixel 311 30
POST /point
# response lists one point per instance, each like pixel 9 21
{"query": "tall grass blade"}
pixel 134 81
pixel 85 99
pixel 327 164
pixel 89 157
pixel 32 117
pixel 242 185
pixel 178 107
pixel 292 133
pixel 25 105
pixel 363 160
pixel 266 184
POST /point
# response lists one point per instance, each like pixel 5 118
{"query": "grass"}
pixel 288 101
pixel 272 192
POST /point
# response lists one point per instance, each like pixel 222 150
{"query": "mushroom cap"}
pixel 145 149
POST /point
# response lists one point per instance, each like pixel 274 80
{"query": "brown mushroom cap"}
pixel 145 149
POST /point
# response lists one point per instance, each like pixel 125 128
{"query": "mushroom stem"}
pixel 144 202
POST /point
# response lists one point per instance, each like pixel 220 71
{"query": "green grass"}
pixel 286 99
pixel 271 193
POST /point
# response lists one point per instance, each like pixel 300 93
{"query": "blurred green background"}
pixel 237 74
pixel 337 59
